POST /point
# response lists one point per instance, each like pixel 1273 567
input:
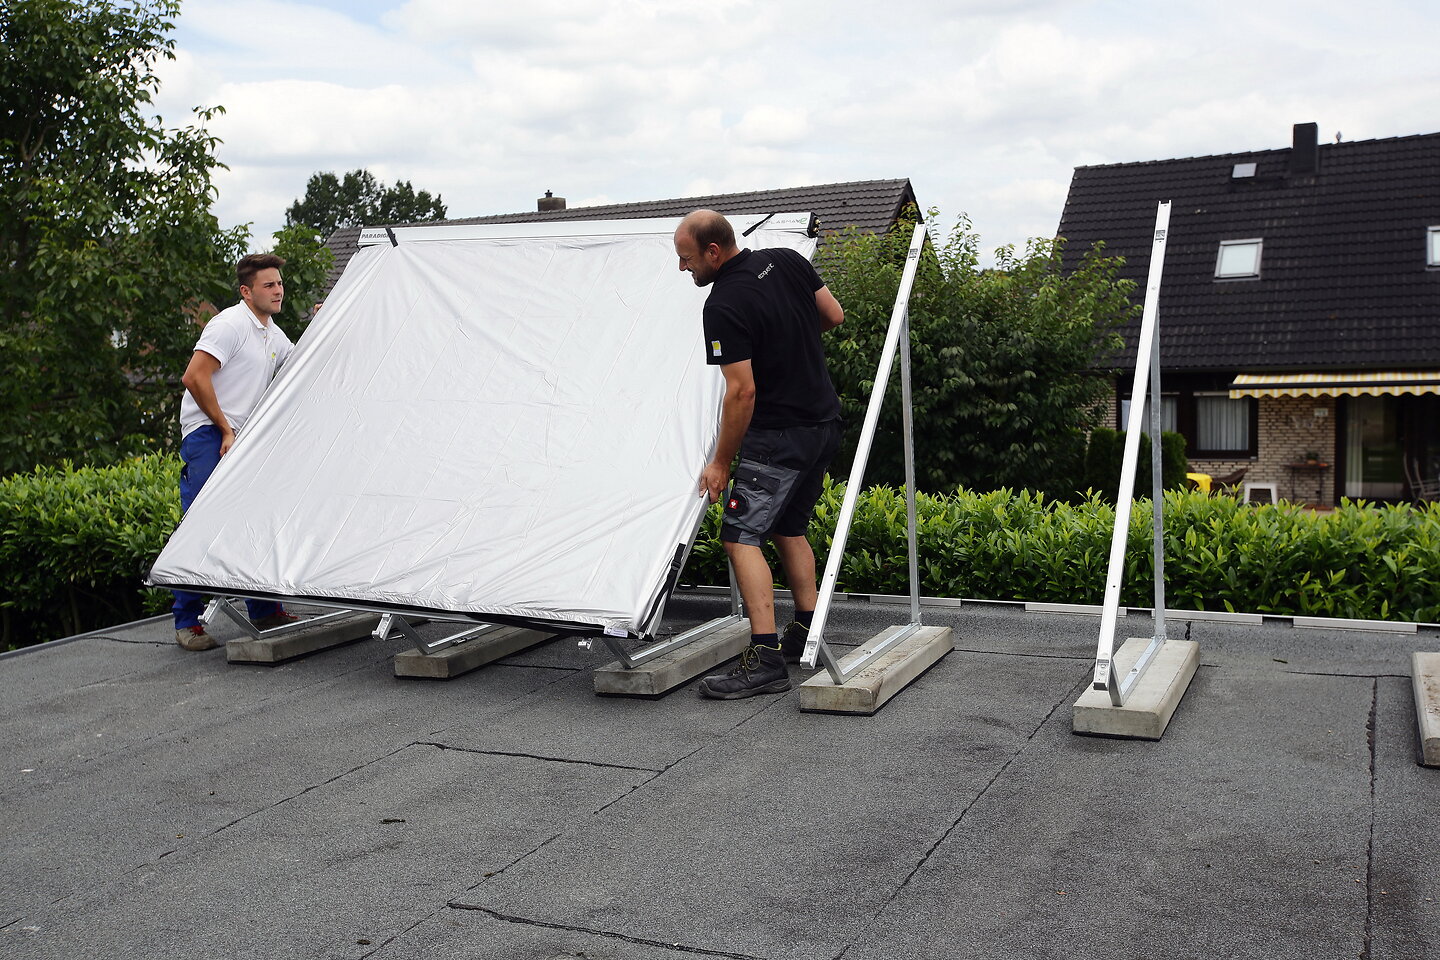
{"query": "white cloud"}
pixel 772 126
pixel 987 106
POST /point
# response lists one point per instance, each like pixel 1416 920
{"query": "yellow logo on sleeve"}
pixel 714 348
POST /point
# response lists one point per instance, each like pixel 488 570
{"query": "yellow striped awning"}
pixel 1348 384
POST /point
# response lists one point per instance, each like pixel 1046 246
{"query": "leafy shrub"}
pixel 1105 454
pixel 1174 464
pixel 1362 561
pixel 1002 359
pixel 75 543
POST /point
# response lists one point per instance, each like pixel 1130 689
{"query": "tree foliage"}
pixel 307 263
pixel 1105 454
pixel 359 200
pixel 1003 380
pixel 108 247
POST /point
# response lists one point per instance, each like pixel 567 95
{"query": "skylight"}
pixel 1238 259
pixel 1432 247
pixel 1242 170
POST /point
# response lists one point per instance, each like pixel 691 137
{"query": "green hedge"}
pixel 75 543
pixel 1362 560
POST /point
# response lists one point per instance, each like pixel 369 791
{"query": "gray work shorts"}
pixel 777 482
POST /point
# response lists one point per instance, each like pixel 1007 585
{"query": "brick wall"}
pixel 1289 428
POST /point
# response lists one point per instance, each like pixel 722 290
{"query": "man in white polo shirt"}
pixel 235 359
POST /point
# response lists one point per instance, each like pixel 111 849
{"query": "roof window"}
pixel 1238 259
pixel 1432 247
pixel 1242 170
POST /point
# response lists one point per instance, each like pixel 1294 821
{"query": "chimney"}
pixel 1305 150
pixel 550 203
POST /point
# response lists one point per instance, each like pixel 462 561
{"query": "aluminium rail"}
pixel 1147 362
pixel 897 339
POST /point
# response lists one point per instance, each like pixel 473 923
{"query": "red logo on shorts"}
pixel 734 504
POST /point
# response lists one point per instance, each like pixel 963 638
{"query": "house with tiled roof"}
pixel 1299 308
pixel 868 205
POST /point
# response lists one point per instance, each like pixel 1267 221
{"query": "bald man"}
pixel 763 320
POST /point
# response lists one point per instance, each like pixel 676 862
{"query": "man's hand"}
pixel 227 439
pixel 712 481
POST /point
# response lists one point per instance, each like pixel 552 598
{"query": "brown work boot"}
pixel 194 638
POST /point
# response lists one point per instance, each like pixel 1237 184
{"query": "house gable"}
pixel 870 206
pixel 1343 281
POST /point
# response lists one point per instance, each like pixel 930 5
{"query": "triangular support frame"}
pixel 1147 367
pixel 897 340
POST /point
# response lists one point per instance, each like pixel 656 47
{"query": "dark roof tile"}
pixel 1343 281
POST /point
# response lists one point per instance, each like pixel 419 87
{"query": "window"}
pixel 1222 423
pixel 1169 414
pixel 1214 426
pixel 1432 247
pixel 1238 259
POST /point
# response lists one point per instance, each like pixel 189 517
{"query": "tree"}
pixel 359 200
pixel 108 248
pixel 307 264
pixel 1003 360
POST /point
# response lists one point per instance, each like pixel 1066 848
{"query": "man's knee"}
pixel 734 549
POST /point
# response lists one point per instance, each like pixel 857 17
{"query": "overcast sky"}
pixel 986 106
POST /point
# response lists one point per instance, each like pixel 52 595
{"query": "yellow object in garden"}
pixel 1202 481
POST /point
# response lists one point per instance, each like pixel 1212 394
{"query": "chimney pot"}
pixel 550 203
pixel 1305 150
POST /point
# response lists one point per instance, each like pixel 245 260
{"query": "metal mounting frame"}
pixel 630 660
pixel 225 605
pixel 396 623
pixel 1147 361
pixel 897 339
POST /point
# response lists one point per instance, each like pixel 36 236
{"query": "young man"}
pixel 235 359
pixel 763 320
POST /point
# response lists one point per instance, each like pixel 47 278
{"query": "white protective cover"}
pixel 489 422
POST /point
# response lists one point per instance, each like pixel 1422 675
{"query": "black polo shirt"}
pixel 761 308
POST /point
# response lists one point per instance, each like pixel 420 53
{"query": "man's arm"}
pixel 198 379
pixel 734 421
pixel 831 313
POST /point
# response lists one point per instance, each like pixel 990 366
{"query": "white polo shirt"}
pixel 249 353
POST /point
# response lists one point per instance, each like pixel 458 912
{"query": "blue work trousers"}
pixel 201 452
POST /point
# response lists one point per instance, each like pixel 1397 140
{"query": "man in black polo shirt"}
pixel 763 320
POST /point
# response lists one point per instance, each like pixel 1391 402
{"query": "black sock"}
pixel 804 617
pixel 765 639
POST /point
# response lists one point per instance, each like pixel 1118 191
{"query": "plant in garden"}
pixel 1104 455
pixel 1360 561
pixel 1003 380
pixel 108 247
pixel 75 543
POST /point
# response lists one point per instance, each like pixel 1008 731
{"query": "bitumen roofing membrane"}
pixel 159 803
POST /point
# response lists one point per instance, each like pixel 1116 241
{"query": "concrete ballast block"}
pixel 299 639
pixel 466 655
pixel 1151 702
pixel 1426 673
pixel 677 667
pixel 880 680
